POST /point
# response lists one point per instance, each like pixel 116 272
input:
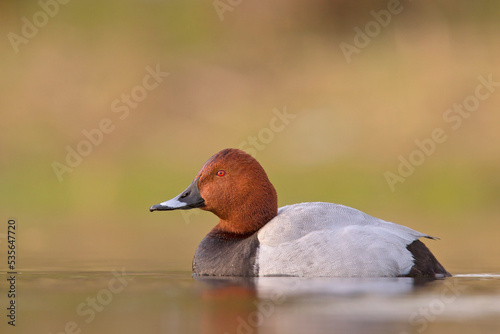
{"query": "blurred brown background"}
pixel 232 67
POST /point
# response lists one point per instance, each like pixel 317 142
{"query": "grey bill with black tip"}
pixel 188 199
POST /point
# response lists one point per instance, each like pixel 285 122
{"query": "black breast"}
pixel 426 264
pixel 226 255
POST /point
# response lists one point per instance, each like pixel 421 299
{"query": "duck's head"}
pixel 235 187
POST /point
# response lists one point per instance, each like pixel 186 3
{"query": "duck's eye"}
pixel 221 173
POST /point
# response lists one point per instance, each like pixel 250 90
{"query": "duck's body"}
pixel 253 238
pixel 318 239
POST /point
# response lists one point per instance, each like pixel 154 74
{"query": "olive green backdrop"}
pixel 109 107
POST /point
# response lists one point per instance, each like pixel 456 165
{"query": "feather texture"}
pixel 326 239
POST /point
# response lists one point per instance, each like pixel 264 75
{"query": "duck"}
pixel 313 239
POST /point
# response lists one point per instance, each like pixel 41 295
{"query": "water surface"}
pixel 118 301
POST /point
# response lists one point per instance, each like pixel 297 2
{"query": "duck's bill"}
pixel 188 199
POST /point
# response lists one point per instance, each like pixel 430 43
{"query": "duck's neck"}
pixel 245 221
pixel 241 228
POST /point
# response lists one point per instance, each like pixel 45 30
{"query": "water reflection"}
pixel 257 302
pixel 287 287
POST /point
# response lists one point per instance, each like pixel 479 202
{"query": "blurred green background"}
pixel 352 120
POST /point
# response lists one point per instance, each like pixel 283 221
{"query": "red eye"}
pixel 221 173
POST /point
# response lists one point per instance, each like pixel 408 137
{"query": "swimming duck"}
pixel 255 238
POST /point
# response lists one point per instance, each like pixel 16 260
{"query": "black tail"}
pixel 426 264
